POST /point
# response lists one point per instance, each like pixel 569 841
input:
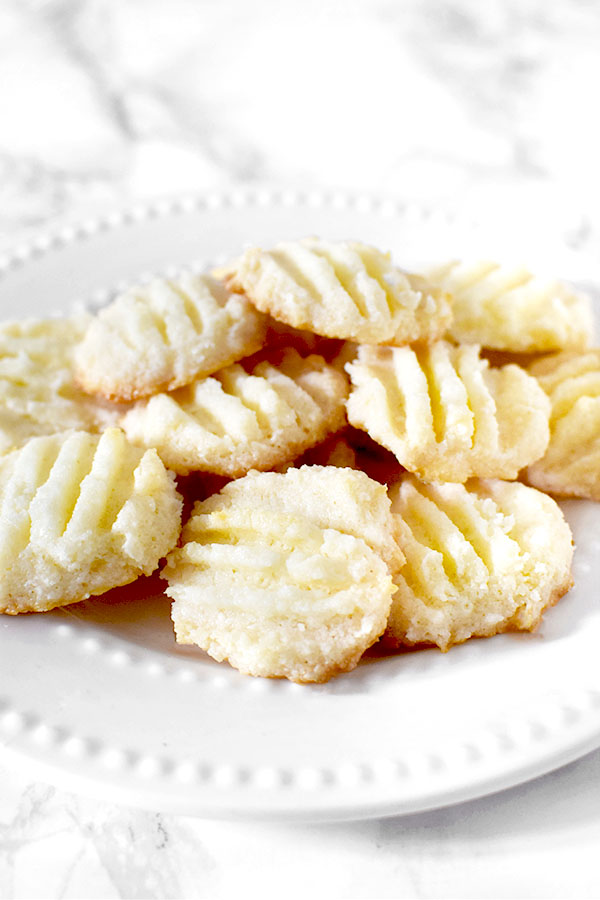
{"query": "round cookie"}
pixel 341 289
pixel 163 335
pixel 571 465
pixel 80 514
pixel 38 394
pixel 286 575
pixel 481 558
pixel 445 413
pixel 508 308
pixel 236 420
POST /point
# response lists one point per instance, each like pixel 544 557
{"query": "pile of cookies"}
pixel 355 433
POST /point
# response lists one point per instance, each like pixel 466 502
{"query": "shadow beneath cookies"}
pixel 139 613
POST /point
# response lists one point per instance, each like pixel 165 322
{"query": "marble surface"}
pixel 538 840
pixel 449 102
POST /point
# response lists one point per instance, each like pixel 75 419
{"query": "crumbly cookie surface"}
pixel 481 558
pixel 445 413
pixel 341 289
pixel 237 420
pixel 285 575
pixel 508 308
pixel 165 334
pixel 38 394
pixel 571 464
pixel 80 514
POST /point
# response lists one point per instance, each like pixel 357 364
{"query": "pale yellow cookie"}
pixel 571 464
pixel 285 575
pixel 341 289
pixel 80 514
pixel 236 420
pixel 508 308
pixel 165 334
pixel 38 394
pixel 481 558
pixel 445 414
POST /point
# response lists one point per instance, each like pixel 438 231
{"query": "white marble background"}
pixel 457 103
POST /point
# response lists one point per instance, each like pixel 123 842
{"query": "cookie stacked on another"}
pixel 287 575
pixel 237 420
pixel 38 393
pixel 445 413
pixel 507 307
pixel 163 335
pixel 571 465
pixel 481 558
pixel 341 289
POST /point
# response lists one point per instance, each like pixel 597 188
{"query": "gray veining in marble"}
pixel 435 100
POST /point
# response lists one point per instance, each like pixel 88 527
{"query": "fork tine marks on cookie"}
pixel 341 289
pixel 482 558
pixel 238 420
pixel 163 335
pixel 445 414
pixel 80 514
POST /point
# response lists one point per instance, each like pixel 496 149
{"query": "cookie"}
pixel 481 558
pixel 163 335
pixel 445 414
pixel 509 308
pixel 237 420
pixel 571 465
pixel 286 575
pixel 341 289
pixel 38 394
pixel 80 514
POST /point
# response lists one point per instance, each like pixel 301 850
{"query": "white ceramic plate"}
pixel 99 698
